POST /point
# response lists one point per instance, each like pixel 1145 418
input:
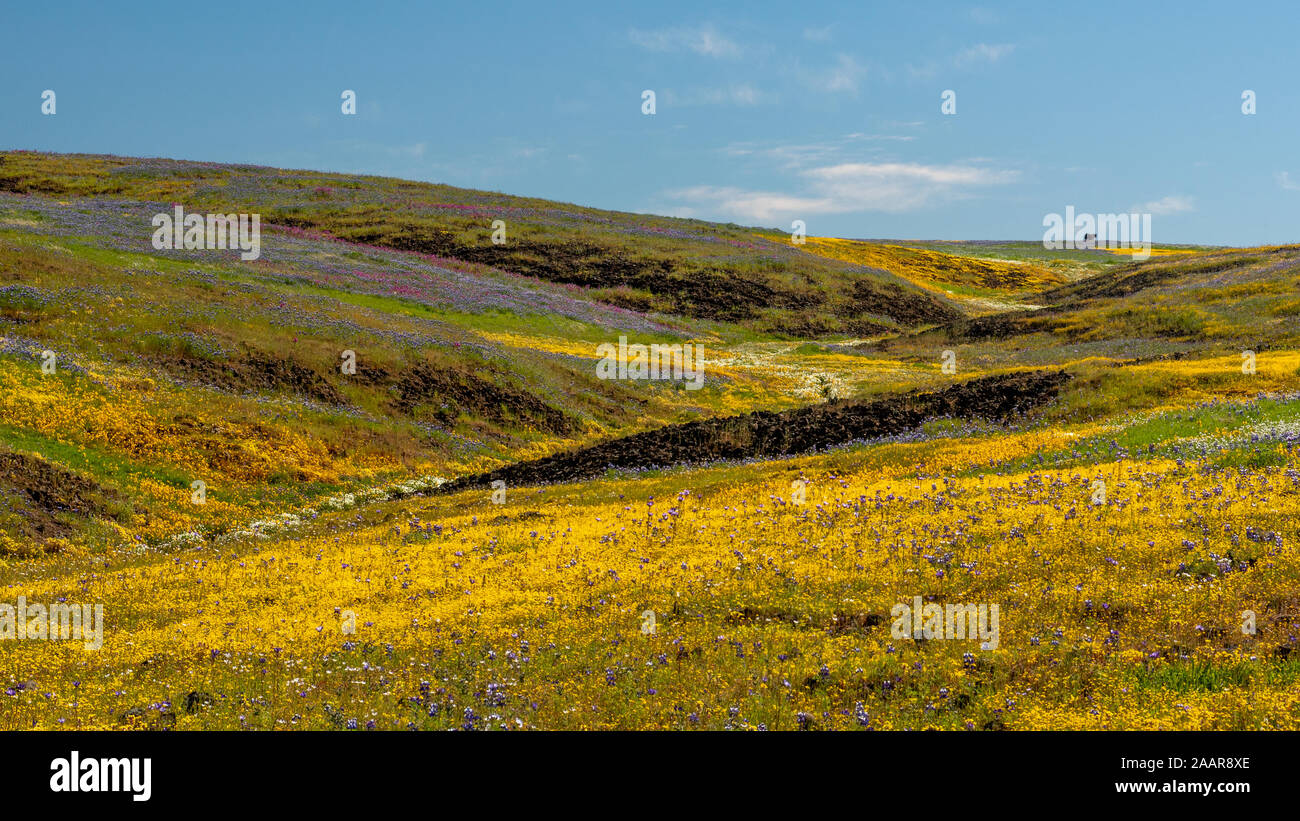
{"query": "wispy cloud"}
pixel 414 151
pixel 843 76
pixel 798 156
pixel 817 34
pixel 976 55
pixel 762 206
pixel 793 156
pixel 739 94
pixel 982 53
pixel 703 40
pixel 925 71
pixel 902 138
pixel 891 187
pixel 1285 182
pixel 894 186
pixel 1166 205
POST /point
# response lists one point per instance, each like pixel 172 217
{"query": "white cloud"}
pixel 858 135
pixel 817 34
pixel 896 187
pixel 848 187
pixel 762 206
pixel 742 94
pixel 789 156
pixel 939 174
pixel 1284 180
pixel 925 71
pixel 841 77
pixel 982 53
pixel 414 150
pixel 702 40
pixel 1166 205
pixel 797 156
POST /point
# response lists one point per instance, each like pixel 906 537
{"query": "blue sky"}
pixel 765 112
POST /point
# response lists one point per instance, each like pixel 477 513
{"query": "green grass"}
pixel 1170 432
pixel 1207 677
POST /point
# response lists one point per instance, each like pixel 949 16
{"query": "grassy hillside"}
pixel 637 262
pixel 1209 305
pixel 878 421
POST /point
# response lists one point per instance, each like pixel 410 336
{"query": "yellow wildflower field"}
pixel 725 597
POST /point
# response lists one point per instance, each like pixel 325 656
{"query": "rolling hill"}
pixel 183 439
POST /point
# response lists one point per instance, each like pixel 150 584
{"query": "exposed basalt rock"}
pixel 47 490
pixel 903 306
pixel 722 293
pixel 256 371
pixel 764 434
pixel 998 326
pixel 455 391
